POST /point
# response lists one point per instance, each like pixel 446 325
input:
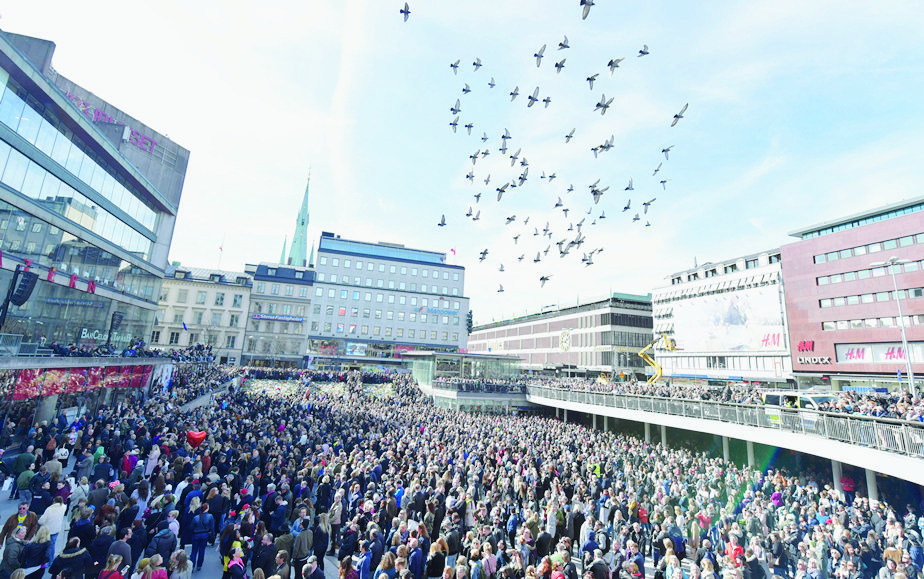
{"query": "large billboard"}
pixel 745 320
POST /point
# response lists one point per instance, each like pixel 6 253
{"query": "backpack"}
pixel 52 444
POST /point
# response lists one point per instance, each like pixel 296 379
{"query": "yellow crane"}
pixel 669 344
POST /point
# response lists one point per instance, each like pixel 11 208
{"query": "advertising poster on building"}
pixel 355 349
pixel 746 320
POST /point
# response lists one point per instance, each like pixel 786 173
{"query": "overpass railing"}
pixel 897 436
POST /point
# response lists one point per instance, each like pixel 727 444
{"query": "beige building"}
pixel 203 306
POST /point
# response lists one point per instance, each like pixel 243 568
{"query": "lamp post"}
pixel 891 263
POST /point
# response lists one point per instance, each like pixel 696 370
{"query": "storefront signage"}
pixel 878 353
pixel 88 334
pixel 136 138
pixel 278 318
pixel 814 360
pixel 439 311
pixel 72 302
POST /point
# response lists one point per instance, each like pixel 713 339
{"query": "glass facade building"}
pixel 88 201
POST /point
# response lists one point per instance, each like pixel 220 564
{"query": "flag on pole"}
pixel 184 327
pixel 453 251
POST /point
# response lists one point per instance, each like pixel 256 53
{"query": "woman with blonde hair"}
pixel 179 565
pixel 112 568
pixel 155 569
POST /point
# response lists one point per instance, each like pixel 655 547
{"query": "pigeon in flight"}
pixel 560 65
pixel 470 176
pixel 570 188
pixel 455 67
pixel 526 221
pixel 614 64
pixel 546 278
pixel 636 218
pixel 648 203
pixel 591 80
pixel 647 223
pixel 559 203
pixel 602 216
pixel 522 177
pixel 552 177
pixel 501 268
pixel 455 123
pixel 514 93
pixel 565 210
pixel 457 108
pixel 538 56
pixel 547 101
pixel 598 193
pixel 470 211
pixel 629 187
pixel 538 257
pixel 442 222
pixel 488 178
pixel 586 4
pixel 516 238
pixel 474 156
pixel 500 190
pixel 511 219
pixel 477 197
pixel 658 168
pixel 484 138
pixel 664 183
pixel 477 63
pixel 522 257
pixel 533 98
pixel 406 11
pixel 470 126
pixel 564 44
pixel 506 135
pixel 503 148
pixel 679 115
pixel 492 83
pixel 523 162
pixel 483 255
pixel 628 206
pixel 477 216
pixel 466 89
pixel 643 51
pixel 500 289
pixel 603 104
pixel 667 150
pixel 513 157
pixel 569 136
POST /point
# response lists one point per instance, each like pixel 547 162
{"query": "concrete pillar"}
pixel 871 487
pixel 663 435
pixel 557 412
pixel 837 471
pixel 46 409
pixel 726 453
pixel 606 424
pixel 565 410
pixel 647 432
pixel 594 419
pixel 751 461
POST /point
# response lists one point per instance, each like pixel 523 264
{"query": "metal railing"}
pixel 9 344
pixel 897 436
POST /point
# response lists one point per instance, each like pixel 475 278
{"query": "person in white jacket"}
pixel 53 518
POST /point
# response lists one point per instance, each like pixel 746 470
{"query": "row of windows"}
pixel 174 339
pixel 870 248
pixel 284 309
pixel 680 364
pixel 198 317
pixel 753 263
pixel 627 320
pixel 287 290
pixel 367 296
pixel 357 264
pixel 380 283
pixel 867 273
pixel 870 298
pixel 182 296
pixel 389 315
pixel 887 322
pixel 276 327
pixel 387 331
pixel 66 149
pixel 865 221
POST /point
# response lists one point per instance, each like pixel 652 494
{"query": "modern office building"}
pixel 588 339
pixel 372 301
pixel 203 306
pixel 844 323
pixel 88 201
pixel 277 328
pixel 729 321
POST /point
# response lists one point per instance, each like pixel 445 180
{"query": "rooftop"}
pixel 890 211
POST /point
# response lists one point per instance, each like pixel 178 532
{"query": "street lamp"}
pixel 891 263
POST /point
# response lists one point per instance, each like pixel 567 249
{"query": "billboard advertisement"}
pixel 745 320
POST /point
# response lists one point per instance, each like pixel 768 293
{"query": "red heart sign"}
pixel 195 438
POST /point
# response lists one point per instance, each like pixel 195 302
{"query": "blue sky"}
pixel 798 113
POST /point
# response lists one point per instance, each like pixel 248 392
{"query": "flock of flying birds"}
pixel 535 230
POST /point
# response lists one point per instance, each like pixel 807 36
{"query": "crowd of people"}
pixel 280 480
pixel 137 348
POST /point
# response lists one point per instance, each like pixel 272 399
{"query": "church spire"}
pixel 282 256
pixel 311 257
pixel 298 251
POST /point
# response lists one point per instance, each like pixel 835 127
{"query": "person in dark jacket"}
pixel 99 548
pixel 74 558
pixel 35 553
pixel 264 555
pixel 349 542
pixel 83 528
pixel 321 541
pixel 163 543
pixel 14 548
